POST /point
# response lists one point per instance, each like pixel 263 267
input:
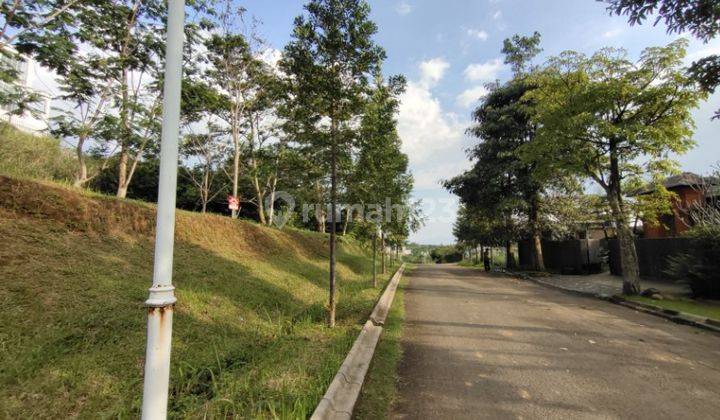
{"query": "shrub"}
pixel 24 155
pixel 699 266
pixel 446 254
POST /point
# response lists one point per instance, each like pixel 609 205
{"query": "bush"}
pixel 699 267
pixel 24 155
pixel 446 254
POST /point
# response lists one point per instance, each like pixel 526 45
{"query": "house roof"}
pixel 685 179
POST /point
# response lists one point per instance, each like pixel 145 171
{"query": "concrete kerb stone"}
pixel 383 305
pixel 342 394
pixel 669 314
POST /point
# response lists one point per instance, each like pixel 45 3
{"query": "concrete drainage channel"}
pixel 340 397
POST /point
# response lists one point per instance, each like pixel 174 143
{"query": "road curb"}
pixel 342 394
pixel 669 314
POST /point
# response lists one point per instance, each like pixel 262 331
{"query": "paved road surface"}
pixel 487 346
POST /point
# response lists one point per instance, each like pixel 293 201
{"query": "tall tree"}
pixel 507 185
pixel 699 17
pixel 600 115
pixel 203 146
pixel 110 46
pixel 87 98
pixel 381 178
pixel 233 63
pixel 330 57
pixel 21 22
pixel 266 145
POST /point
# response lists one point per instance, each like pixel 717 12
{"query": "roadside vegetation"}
pixel 262 127
pixel 704 309
pixel 379 390
pixel 250 337
pixel 27 156
pixel 606 118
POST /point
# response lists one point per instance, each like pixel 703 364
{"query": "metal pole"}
pixel 162 297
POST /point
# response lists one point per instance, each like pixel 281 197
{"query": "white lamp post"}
pixel 162 297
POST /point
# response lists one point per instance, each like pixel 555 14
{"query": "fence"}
pixel 570 256
pixel 653 255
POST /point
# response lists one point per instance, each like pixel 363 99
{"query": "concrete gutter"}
pixel 669 314
pixel 382 308
pixel 342 394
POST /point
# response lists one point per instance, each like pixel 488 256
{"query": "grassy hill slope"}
pixel 249 337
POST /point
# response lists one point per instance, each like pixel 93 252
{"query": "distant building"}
pixel 691 190
pixel 37 118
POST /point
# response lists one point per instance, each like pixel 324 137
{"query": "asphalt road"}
pixel 488 346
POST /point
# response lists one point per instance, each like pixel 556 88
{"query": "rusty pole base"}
pixel 160 306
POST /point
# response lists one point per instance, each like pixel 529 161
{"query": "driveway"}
pixel 482 345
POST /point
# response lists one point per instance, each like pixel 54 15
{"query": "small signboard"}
pixel 233 202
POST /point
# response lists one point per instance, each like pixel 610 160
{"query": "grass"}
pixel 249 336
pixel 380 386
pixel 498 259
pixel 705 310
pixel 24 155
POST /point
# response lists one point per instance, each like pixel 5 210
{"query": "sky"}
pixel 449 49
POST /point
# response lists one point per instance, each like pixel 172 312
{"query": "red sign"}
pixel 233 202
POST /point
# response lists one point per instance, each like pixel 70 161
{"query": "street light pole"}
pixel 162 297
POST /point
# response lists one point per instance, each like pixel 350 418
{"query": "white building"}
pixel 37 118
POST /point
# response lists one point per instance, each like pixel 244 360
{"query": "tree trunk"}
pixel 205 191
pixel 271 201
pixel 320 218
pixel 260 197
pixel 319 213
pixel 333 198
pixel 82 176
pixel 124 138
pixel 382 252
pixel 628 253
pixel 346 222
pixel 236 174
pixel 536 255
pixel 509 257
pixel 374 253
pixel 626 240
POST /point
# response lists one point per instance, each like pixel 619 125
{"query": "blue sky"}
pixel 448 49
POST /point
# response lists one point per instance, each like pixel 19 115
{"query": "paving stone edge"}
pixel 669 314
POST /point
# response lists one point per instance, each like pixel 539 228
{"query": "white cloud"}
pixel 712 48
pixel 271 56
pixel 470 96
pixel 612 33
pixel 434 140
pixel 431 71
pixel 497 15
pixel 424 127
pixel 477 33
pixel 487 71
pixel 403 8
pixel 431 176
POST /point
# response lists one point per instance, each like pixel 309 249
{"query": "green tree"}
pixel 600 115
pixel 381 175
pixel 330 57
pixel 203 146
pixel 699 17
pixel 502 183
pixel 232 66
pixel 21 22
pixel 266 144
